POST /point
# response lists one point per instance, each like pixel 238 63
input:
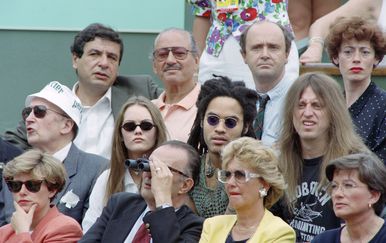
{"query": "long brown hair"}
pixel 342 139
pixel 119 154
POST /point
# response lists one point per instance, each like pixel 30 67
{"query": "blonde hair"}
pixel 342 139
pixel 261 159
pixel 39 165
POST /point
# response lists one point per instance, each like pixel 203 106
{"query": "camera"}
pixel 140 164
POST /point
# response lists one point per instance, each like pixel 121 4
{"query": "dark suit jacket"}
pixel 166 225
pixel 82 171
pixel 123 88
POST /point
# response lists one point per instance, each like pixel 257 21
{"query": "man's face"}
pixel 356 60
pixel 42 132
pixel 174 71
pixel 98 66
pixel 310 117
pixel 265 53
pixel 172 157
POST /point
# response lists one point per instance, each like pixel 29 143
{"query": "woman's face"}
pixel 349 195
pixel 243 192
pixel 139 141
pixel 225 111
pixel 356 60
pixel 26 198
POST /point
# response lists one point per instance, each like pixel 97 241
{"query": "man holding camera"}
pixel 158 213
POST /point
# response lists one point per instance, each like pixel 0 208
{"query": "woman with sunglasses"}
pixel 358 193
pixel 34 178
pixel 253 184
pixel 226 111
pixel 139 129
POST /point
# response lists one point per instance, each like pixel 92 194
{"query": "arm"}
pixel 319 29
pixel 201 27
pixel 205 235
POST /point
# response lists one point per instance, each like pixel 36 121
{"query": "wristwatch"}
pixel 165 205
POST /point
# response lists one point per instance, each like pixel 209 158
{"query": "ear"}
pixel 51 193
pixel 67 126
pixel 265 184
pixel 245 129
pixel 75 59
pixel 374 196
pixel 187 184
pixel 335 60
pixel 243 54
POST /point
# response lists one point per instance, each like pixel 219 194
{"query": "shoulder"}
pixel 123 199
pixel 274 227
pixel 220 220
pixel 88 157
pixel 132 80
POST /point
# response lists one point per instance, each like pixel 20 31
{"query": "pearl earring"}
pixel 262 192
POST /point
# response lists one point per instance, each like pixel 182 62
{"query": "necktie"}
pixel 142 235
pixel 259 122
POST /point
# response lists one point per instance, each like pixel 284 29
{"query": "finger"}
pixel 32 209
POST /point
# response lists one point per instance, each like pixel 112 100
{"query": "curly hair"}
pixel 223 87
pixel 91 32
pixel 355 28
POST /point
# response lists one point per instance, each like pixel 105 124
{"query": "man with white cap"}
pixel 52 118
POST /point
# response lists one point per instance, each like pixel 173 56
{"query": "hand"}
pixel 21 221
pixel 161 182
pixel 313 54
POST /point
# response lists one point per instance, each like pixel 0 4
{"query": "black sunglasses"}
pixel 31 185
pixel 215 120
pixel 144 125
pixel 40 111
pixel 179 53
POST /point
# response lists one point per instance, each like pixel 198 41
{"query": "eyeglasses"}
pixel 131 126
pixel 31 185
pixel 350 52
pixel 228 121
pixel 179 53
pixel 178 172
pixel 40 111
pixel 345 187
pixel 241 176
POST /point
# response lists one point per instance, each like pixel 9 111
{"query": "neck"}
pixel 89 94
pixel 38 216
pixel 263 85
pixel 250 216
pixel 214 159
pixel 354 90
pixel 313 148
pixel 175 93
pixel 54 146
pixel 364 226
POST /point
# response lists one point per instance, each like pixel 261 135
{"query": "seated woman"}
pixel 139 129
pixel 356 46
pixel 253 184
pixel 226 111
pixel 358 192
pixel 34 178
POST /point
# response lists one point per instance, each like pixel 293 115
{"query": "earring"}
pixel 370 205
pixel 262 192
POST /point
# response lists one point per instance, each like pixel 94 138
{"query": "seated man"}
pixel 173 170
pixel 52 118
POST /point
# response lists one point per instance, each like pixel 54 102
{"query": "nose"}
pixel 103 61
pixel 308 111
pixel 23 190
pixel 170 58
pixel 138 130
pixel 356 55
pixel 220 127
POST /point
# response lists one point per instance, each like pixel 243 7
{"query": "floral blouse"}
pixel 233 23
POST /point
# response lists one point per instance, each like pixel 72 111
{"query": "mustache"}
pixel 174 66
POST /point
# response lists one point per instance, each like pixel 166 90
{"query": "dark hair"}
pixel 355 28
pixel 287 36
pixel 223 87
pixel 193 158
pixel 371 171
pixel 91 32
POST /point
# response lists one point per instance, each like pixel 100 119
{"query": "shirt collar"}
pixel 187 102
pixel 106 96
pixel 62 153
pixel 280 89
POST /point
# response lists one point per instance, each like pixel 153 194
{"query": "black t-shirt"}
pixel 313 213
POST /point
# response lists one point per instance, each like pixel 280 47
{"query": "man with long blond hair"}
pixel 316 129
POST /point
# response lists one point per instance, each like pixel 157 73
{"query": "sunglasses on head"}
pixel 31 185
pixel 179 53
pixel 40 111
pixel 215 120
pixel 131 126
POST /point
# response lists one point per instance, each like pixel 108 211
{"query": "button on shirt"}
pixel 368 113
pixel 96 127
pixel 179 117
pixel 273 116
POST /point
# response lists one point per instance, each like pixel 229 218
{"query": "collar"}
pixel 62 153
pixel 280 89
pixel 187 102
pixel 106 96
pixel 358 105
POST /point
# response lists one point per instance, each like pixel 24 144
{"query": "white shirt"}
pixel 62 153
pixel 96 127
pixel 136 226
pixel 97 196
pixel 273 115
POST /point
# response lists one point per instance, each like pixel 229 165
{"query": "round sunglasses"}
pixel 131 126
pixel 39 111
pixel 214 120
pixel 31 185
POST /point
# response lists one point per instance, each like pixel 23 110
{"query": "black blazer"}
pixel 166 225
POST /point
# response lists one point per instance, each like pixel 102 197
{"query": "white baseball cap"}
pixel 61 96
